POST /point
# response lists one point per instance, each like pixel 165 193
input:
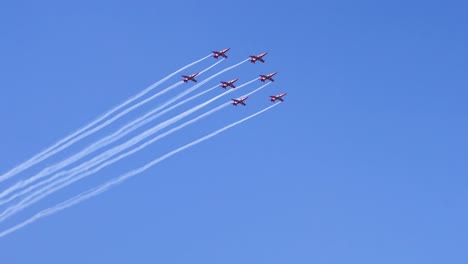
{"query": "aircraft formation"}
pixel 225 84
pixel 124 138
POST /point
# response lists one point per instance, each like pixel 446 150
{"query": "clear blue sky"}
pixel 366 161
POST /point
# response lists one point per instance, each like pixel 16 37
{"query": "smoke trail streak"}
pixel 258 89
pixel 24 203
pixel 69 179
pixel 40 156
pixel 102 157
pixel 101 143
pixel 112 138
pixel 106 186
pixel 207 69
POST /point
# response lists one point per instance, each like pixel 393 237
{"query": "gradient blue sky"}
pixel 364 163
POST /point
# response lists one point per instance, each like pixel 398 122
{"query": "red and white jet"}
pixel 279 97
pixel 191 77
pixel 267 77
pixel 229 83
pixel 235 102
pixel 221 53
pixel 259 57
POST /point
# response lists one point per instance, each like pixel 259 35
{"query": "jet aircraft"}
pixel 241 100
pixel 221 53
pixel 229 83
pixel 279 97
pixel 267 77
pixel 254 58
pixel 191 77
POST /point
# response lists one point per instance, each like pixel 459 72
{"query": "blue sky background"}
pixel 365 162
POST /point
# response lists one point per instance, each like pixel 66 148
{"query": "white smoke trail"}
pixel 69 179
pixel 100 158
pixel 102 125
pixel 106 186
pixel 209 68
pixel 256 90
pixel 40 156
pixel 112 138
